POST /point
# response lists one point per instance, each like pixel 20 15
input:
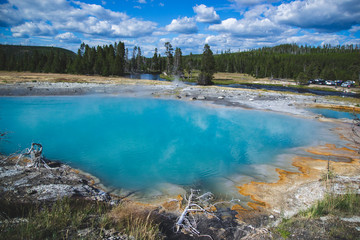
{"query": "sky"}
pixel 188 24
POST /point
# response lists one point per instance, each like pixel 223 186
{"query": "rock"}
pixel 201 97
pixel 221 97
pixel 354 219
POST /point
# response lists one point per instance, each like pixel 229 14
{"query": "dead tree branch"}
pixel 35 153
pixel 197 204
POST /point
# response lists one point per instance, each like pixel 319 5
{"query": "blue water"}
pixel 329 113
pixel 145 76
pixel 136 143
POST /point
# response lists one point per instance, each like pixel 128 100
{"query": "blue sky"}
pixel 227 24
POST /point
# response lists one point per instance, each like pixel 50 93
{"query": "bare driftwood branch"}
pixel 35 153
pixel 197 204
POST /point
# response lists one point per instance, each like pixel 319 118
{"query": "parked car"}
pixel 338 82
pixel 319 81
pixel 348 84
pixel 329 82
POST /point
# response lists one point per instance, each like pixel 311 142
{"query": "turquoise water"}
pixel 136 143
pixel 329 113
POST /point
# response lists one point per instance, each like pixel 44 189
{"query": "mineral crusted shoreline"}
pixel 22 183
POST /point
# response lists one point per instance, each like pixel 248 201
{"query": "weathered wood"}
pixel 35 153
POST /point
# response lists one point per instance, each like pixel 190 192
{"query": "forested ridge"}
pixel 283 61
pixel 35 58
pixel 290 60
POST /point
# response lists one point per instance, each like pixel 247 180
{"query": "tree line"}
pixel 283 61
pixel 291 60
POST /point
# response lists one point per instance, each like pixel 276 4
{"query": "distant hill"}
pixel 35 58
pixel 21 50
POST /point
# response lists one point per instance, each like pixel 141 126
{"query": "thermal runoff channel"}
pixel 136 143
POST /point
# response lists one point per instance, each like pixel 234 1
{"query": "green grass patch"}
pixel 58 221
pixel 283 228
pixel 334 204
pixel 167 77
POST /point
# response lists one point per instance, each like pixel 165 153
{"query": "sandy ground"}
pixel 288 190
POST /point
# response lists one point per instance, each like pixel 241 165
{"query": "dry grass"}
pixel 64 218
pixel 19 77
pixel 136 220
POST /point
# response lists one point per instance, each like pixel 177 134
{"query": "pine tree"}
pixel 120 59
pixel 155 62
pixel 207 67
pixel 169 57
pixel 189 65
pixel 178 68
pixel 139 62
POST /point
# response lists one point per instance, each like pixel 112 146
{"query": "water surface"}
pixel 145 76
pixel 330 113
pixel 137 143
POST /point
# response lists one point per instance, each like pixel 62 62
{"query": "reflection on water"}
pixel 138 143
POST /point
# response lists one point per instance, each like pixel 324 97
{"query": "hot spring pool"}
pixel 330 113
pixel 138 143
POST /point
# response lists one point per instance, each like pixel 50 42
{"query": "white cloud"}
pixel 259 11
pixel 68 37
pixel 182 25
pixel 306 37
pixel 354 29
pixel 248 28
pixel 259 23
pixel 188 42
pixel 90 19
pixel 206 14
pixel 141 1
pixel 325 15
pixel 31 28
pixel 133 28
pixel 9 15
